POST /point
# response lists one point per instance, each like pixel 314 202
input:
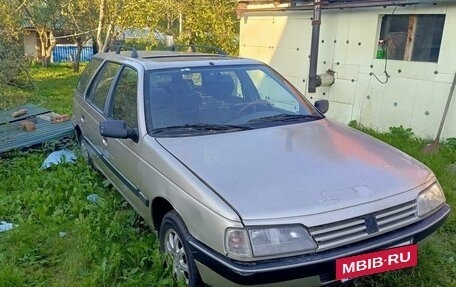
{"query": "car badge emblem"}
pixel 371 224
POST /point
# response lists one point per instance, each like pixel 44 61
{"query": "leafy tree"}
pixel 171 15
pixel 110 13
pixel 139 14
pixel 79 16
pixel 211 22
pixel 197 22
pixel 45 17
pixel 14 67
pixel 9 22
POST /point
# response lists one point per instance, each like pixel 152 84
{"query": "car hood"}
pixel 298 169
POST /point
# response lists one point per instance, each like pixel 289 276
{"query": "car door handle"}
pixel 105 142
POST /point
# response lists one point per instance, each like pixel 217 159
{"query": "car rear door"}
pixel 94 110
pixel 123 155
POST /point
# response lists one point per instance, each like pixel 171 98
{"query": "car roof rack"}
pixel 119 48
pixel 193 48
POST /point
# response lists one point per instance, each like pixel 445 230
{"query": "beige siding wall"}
pixel 30 44
pixel 414 96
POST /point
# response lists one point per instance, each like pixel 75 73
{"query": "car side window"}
pixel 125 98
pixel 103 83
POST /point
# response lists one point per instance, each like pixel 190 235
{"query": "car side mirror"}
pixel 322 106
pixel 117 129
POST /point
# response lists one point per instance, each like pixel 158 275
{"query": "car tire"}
pixel 84 149
pixel 173 244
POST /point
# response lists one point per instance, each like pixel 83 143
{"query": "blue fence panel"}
pixel 66 53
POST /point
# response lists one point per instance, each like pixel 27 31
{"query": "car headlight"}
pixel 430 199
pixel 268 241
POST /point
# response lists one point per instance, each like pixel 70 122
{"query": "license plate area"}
pixel 376 262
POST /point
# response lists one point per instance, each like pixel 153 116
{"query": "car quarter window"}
pixel 125 97
pixel 99 92
pixel 87 74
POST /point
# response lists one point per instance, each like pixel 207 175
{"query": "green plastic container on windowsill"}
pixel 380 53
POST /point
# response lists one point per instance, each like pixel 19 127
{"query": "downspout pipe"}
pixel 316 22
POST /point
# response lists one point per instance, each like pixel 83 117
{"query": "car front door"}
pixel 122 155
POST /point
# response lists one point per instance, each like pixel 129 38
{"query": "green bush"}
pixel 14 69
pixel 451 143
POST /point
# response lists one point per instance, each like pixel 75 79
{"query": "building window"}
pixel 411 37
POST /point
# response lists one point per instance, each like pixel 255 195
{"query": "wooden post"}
pixel 410 41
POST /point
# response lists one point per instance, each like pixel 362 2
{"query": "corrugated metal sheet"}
pixel 66 53
pixel 12 135
pixel 32 110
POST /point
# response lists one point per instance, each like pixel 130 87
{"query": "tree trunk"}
pixel 101 20
pixel 47 44
pixel 181 22
pixel 77 58
pixel 42 37
pixel 52 41
pixel 44 63
pixel 109 34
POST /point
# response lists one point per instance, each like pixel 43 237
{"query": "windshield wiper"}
pixel 202 127
pixel 286 118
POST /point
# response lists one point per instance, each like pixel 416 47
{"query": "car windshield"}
pixel 207 100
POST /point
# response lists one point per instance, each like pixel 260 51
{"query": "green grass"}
pixel 108 245
pixel 437 254
pixel 53 89
pixel 61 238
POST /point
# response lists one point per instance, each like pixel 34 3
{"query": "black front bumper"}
pixel 321 263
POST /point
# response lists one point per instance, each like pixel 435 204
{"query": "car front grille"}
pixel 355 229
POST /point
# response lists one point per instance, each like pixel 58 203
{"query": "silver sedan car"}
pixel 244 180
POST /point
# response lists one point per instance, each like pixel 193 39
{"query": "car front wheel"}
pixel 174 246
